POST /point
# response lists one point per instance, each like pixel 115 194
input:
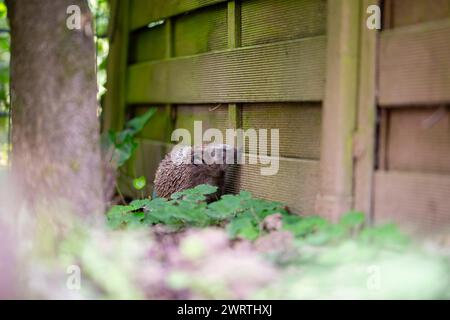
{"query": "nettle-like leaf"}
pixel 301 226
pixel 136 124
pixel 118 215
pixel 196 194
pixel 244 226
pixel 124 150
pixel 141 203
pixel 243 216
pixel 263 208
pixel 124 142
pixel 226 207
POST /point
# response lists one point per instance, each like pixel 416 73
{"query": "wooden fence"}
pixel 363 114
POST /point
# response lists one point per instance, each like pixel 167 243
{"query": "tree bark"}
pixel 55 128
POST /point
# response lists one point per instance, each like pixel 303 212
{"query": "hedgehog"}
pixel 186 167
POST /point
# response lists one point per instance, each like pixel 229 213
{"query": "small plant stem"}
pixel 120 194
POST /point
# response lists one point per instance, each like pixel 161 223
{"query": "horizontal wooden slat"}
pixel 288 71
pixel 265 21
pixel 148 44
pixel 296 183
pixel 415 64
pixel 201 31
pixel 419 140
pixel 299 126
pixel 145 11
pixel 211 116
pixel 418 11
pixel 418 202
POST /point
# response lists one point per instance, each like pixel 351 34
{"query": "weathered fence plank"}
pixel 144 11
pixel 412 199
pixel 295 184
pixel 288 71
pixel 415 65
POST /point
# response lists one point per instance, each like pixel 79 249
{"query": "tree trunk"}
pixel 55 128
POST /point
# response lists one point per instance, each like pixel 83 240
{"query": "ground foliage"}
pixel 244 247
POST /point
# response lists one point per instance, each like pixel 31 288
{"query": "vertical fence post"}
pixel 169 108
pixel 115 100
pixel 339 109
pixel 234 41
pixel 364 142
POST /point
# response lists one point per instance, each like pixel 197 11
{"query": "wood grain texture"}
pixel 266 21
pixel 201 31
pixel 409 12
pixel 415 65
pixel 212 116
pixel 148 44
pixel 415 145
pixel 296 184
pixel 339 108
pixel 144 11
pixel 418 202
pixel 234 41
pixel 299 126
pixel 288 71
pixel 364 139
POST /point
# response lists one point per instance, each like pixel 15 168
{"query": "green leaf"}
pixel 352 219
pixel 302 226
pixel 243 226
pixel 140 203
pixel 124 151
pixel 116 215
pixel 386 235
pixel 330 232
pixel 134 219
pixel 245 195
pixel 124 141
pixel 205 189
pixel 138 123
pixel 139 183
pixel 196 194
pixel 226 207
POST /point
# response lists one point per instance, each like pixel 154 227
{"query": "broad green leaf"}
pixel 243 226
pixel 136 124
pixel 301 226
pixel 226 207
pixel 205 189
pixel 124 151
pixel 140 203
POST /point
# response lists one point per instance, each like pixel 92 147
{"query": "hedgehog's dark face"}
pixel 210 163
pixel 217 156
